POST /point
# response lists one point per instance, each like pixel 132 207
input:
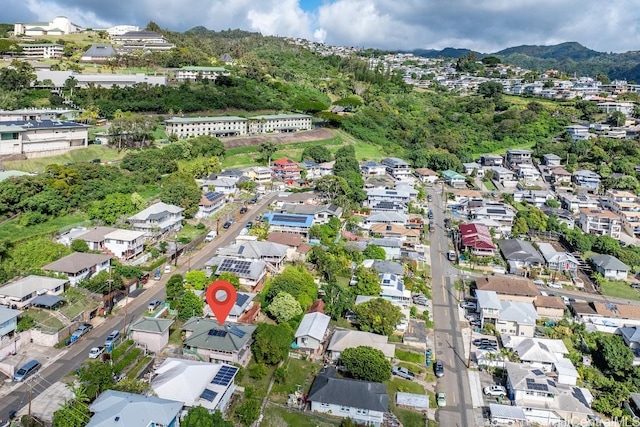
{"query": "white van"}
pixel 212 235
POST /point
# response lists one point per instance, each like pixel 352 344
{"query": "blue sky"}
pixel 482 25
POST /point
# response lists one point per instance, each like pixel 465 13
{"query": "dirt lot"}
pixel 281 138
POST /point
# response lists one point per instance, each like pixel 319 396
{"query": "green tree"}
pixel 520 226
pixel 271 343
pixel 71 414
pixel 260 230
pixel 617 119
pixel 33 254
pixel 368 282
pixel 606 245
pixel 181 190
pixel 378 316
pixel 490 89
pixel 331 187
pixel 113 208
pixel 317 153
pixel 248 412
pixel 296 281
pixel 175 289
pixel 231 278
pixel 374 252
pixel 132 385
pixel 552 203
pixel 79 245
pixel 266 150
pixel 613 357
pixel 284 307
pixel 366 363
pixel 96 377
pixel 196 278
pixel 189 305
pixel 338 300
pixel 198 416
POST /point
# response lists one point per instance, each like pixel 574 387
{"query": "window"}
pixel 324 405
pixel 345 409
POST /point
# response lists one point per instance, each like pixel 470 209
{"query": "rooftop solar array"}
pixel 241 299
pixel 537 372
pixel 237 331
pixel 497 211
pixel 213 195
pixel 290 218
pixel 208 395
pixel 235 266
pixel 533 385
pixel 217 333
pixel 224 375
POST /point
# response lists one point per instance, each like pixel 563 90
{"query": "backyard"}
pixel 76 302
pixel 300 374
pixel 619 289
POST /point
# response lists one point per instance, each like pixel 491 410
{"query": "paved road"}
pixel 73 357
pixel 448 345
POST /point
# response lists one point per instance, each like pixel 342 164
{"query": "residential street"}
pixel 448 344
pixel 72 358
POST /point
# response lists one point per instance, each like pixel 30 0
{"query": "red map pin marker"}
pixel 221 297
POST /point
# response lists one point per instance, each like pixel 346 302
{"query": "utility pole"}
pixel 175 245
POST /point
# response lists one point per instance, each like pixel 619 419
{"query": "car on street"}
pixel 470 305
pixel 495 390
pixel 95 352
pixel 421 301
pixel 438 369
pixel 402 373
pixel 538 282
pixel 429 197
pixel 212 235
pixel 83 329
pixel 153 305
pixel 243 210
pixel 226 225
pixel 253 200
pixel 112 338
pixel 441 399
pixel 249 225
pixel 554 285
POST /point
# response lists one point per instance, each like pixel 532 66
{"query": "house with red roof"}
pixel 286 169
pixel 477 239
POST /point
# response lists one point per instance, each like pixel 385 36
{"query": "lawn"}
pixel 175 334
pixel 76 302
pixel 489 185
pixel 395 385
pixel 409 356
pixel 299 373
pixel 279 417
pixel 44 319
pixel 619 289
pixel 409 418
pixel 79 155
pixel 259 385
pixel 190 232
pixel 13 231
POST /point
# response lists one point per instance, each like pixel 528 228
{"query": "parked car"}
pixel 487 347
pixel 402 373
pixel 438 369
pixel 153 305
pixel 112 338
pixel 554 285
pixel 451 255
pixel 441 399
pixel 471 316
pixel 470 305
pixel 249 225
pixel 499 270
pixel 226 225
pixel 83 329
pixel 95 352
pixel 253 200
pixel 210 236
pixel 28 369
pixel 495 390
pixel 475 322
pixel 243 210
pixel 421 301
pixel 429 197
pixel 538 282
pixel 167 269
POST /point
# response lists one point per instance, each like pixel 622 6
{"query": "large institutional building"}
pixel 187 127
pixel 35 138
pixel 60 25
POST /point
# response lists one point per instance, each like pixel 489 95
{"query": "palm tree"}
pixel 70 84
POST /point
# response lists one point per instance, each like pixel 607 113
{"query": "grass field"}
pixel 299 373
pixel 619 289
pixel 44 319
pixel 259 385
pixel 280 417
pixel 74 156
pixel 13 231
pixel 76 302
pixel 409 356
pixel 409 418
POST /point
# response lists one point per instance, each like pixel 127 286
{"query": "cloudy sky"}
pixel 482 25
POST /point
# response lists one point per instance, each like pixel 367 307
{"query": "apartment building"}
pixel 188 127
pixel 278 123
pixel 626 205
pixel 141 41
pixel 200 73
pixel 41 50
pixel 625 108
pixel 59 26
pixel 600 222
pixel 397 168
pixel 35 138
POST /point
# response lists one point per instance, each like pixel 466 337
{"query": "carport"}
pixel 506 414
pixel 50 302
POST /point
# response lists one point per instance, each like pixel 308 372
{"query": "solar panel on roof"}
pixel 497 211
pixel 290 218
pixel 237 331
pixel 537 372
pixel 235 266
pixel 208 395
pixel 533 385
pixel 224 375
pixel 217 333
pixel 241 299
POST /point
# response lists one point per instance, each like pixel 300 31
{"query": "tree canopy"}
pixel 366 363
pixel 378 316
pixel 271 343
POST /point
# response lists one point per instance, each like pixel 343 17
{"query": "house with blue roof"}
pixel 289 223
pixel 116 408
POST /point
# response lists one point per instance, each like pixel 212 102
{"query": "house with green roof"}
pixel 212 342
pixel 151 332
pixel 454 179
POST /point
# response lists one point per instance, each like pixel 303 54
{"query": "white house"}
pixel 210 203
pixel 343 339
pixel 609 267
pixel 191 73
pixel 517 318
pixel 311 333
pixel 371 168
pixel 158 219
pixel 8 321
pixel 35 138
pixel 21 292
pixel 41 50
pixel 125 244
pixel 79 266
pixel 397 168
pixel 364 402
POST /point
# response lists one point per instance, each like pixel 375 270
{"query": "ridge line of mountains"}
pixel 570 58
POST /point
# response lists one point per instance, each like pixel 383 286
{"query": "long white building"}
pixel 186 127
pixel 35 138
